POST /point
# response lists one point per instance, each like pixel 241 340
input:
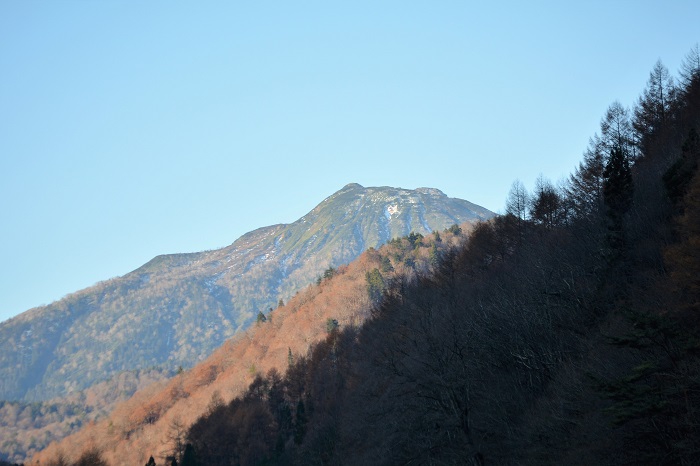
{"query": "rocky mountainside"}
pixel 176 309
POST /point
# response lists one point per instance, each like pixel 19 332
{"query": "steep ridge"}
pixel 176 309
pixel 151 422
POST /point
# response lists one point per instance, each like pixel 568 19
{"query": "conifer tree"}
pixel 584 190
pixel 189 458
pixel 617 192
pixel 386 264
pixel 434 256
pixel 546 207
pixel 300 423
pixel 331 325
pixel 678 177
pixel 375 284
pixel 616 130
pixel 690 68
pixel 653 111
pixel 455 230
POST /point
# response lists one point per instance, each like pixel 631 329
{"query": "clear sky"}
pixel 130 129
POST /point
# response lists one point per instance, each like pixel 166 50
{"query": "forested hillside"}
pixel 155 420
pixel 28 427
pixel 563 332
pixel 176 309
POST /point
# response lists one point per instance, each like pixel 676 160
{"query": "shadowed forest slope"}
pixel 175 310
pixel 155 420
pixel 563 332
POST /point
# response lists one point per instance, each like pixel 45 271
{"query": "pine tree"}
pixel 329 273
pixel 616 130
pixel 415 239
pixel 434 256
pixel 653 111
pixel 189 458
pixel 455 230
pixel 375 285
pixel 617 193
pixel 546 207
pixel 690 68
pixel 677 178
pixel 617 184
pixel 300 424
pixel 584 189
pixel 386 264
pixel 331 324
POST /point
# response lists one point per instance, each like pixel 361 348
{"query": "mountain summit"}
pixel 176 309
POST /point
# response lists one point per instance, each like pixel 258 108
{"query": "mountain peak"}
pixel 431 192
pixel 193 302
pixel 350 186
pixel 358 187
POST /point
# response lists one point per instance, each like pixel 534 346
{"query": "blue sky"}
pixel 131 129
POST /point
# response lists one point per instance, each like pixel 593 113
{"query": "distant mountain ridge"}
pixel 177 308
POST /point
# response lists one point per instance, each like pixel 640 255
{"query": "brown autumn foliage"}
pixel 143 426
pixel 26 428
pixel 565 341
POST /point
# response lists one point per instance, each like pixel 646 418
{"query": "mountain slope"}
pixel 563 338
pixel 148 423
pixel 176 309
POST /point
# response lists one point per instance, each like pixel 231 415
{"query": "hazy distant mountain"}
pixel 176 309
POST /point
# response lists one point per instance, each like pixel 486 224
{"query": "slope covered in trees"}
pixel 563 332
pixel 155 420
pixel 28 427
pixel 177 309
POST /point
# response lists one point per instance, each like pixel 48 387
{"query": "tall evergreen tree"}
pixel 618 188
pixel 678 176
pixel 653 111
pixel 546 207
pixel 300 423
pixel 690 68
pixel 375 285
pixel 584 189
pixel 189 458
pixel 616 130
